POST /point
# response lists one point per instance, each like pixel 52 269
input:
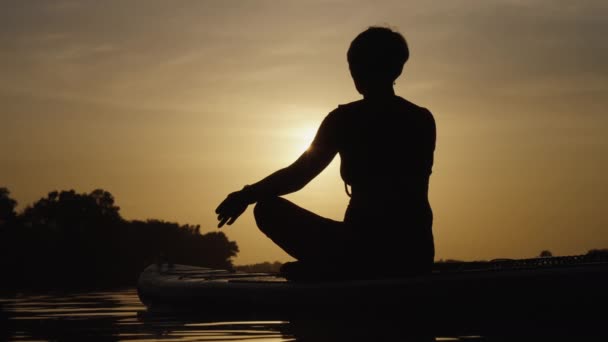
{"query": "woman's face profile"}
pixel 359 84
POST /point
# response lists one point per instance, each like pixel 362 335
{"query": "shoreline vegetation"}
pixel 72 241
pixel 68 240
pixel 262 267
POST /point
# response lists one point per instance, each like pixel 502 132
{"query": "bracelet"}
pixel 248 191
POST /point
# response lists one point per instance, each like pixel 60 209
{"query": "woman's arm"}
pixel 294 177
pixel 284 181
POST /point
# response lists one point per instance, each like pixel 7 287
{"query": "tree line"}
pixel 262 267
pixel 80 240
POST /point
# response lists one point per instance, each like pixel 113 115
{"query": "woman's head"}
pixel 376 57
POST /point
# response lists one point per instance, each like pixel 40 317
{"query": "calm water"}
pixel 120 316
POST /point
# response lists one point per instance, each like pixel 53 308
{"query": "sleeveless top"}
pixel 386 148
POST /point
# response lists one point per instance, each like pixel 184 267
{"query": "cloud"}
pixel 161 52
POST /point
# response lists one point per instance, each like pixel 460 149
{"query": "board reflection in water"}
pixel 119 316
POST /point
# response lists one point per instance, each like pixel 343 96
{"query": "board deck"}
pixel 551 290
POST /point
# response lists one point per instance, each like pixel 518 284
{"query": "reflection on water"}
pixel 120 316
pixel 116 316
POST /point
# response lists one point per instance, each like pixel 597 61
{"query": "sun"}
pixel 303 137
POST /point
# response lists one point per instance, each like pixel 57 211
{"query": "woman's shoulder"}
pixel 353 104
pixel 413 106
pixel 348 107
pixel 343 111
pixel 423 113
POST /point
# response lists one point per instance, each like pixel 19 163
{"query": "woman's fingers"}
pixel 231 221
pixel 222 207
pixel 222 222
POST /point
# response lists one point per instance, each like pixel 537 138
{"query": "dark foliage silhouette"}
pixel 7 207
pixel 386 146
pixel 263 267
pixel 67 239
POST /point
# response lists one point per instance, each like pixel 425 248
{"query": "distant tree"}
pixel 70 210
pixel 264 267
pixel 545 254
pixel 105 203
pixel 150 241
pixel 600 254
pixel 7 206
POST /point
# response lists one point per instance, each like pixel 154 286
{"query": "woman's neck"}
pixel 379 93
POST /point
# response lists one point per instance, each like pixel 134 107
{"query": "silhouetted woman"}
pixel 386 147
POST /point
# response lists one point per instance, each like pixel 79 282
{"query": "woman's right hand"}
pixel 232 207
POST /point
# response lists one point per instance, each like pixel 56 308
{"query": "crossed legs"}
pixel 304 235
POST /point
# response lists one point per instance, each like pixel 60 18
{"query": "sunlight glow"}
pixel 303 136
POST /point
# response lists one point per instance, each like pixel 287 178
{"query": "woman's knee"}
pixel 266 213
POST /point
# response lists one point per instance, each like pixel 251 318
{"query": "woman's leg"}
pixel 302 234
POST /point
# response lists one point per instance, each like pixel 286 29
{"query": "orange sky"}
pixel 172 105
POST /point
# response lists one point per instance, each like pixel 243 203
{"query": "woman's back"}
pixel 386 148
